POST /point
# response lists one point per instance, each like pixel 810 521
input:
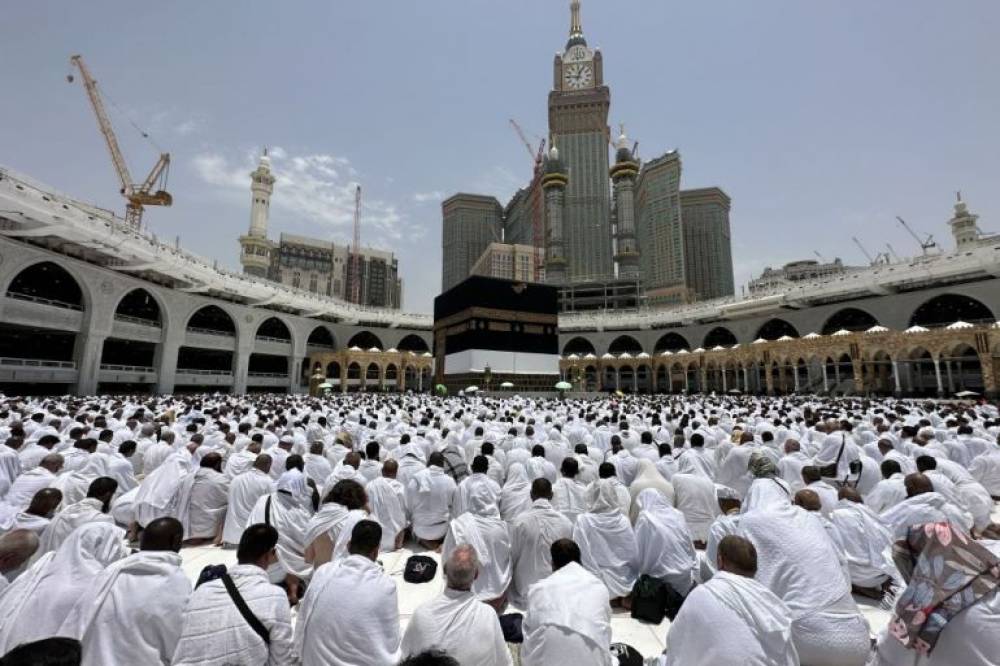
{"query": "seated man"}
pixel 568 618
pixel 607 541
pixel 888 492
pixel 694 496
pixel 666 551
pixel 923 505
pixel 202 506
pixel 387 501
pixel 532 534
pixel 732 619
pixel 90 510
pixel 482 527
pixel 429 496
pixel 456 622
pixel 865 540
pixel 244 491
pixel 16 548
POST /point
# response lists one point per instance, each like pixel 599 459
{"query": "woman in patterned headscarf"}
pixel 767 490
pixel 950 610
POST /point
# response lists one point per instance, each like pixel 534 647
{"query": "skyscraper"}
pixel 708 256
pixel 659 232
pixel 470 223
pixel 578 125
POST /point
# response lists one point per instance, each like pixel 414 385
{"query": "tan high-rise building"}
pixel 708 255
pixel 511 262
pixel 659 231
pixel 470 222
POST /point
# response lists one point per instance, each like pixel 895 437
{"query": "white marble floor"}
pixel 647 639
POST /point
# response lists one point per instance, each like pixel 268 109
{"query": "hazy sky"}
pixel 821 119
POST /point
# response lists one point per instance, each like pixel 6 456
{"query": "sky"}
pixel 822 120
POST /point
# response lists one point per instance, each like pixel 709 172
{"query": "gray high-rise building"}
pixel 578 125
pixel 470 223
pixel 708 255
pixel 659 231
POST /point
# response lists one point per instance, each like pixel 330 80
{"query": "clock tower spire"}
pixel 575 26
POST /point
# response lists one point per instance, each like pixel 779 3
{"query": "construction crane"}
pixel 355 256
pixel 863 250
pixel 892 252
pixel 926 244
pixel 137 195
pixel 537 221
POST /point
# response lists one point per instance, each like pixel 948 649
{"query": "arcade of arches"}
pixel 960 358
pixel 355 369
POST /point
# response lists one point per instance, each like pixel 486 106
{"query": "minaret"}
pixel 623 175
pixel 255 255
pixel 554 183
pixel 963 225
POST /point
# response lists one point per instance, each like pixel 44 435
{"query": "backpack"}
pixel 419 569
pixel 649 599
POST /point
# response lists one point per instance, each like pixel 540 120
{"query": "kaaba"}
pixel 489 331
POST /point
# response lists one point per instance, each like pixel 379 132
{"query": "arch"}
pixel 949 308
pixel 372 372
pixel 391 372
pixel 354 370
pixel 773 329
pixel 333 370
pixel 321 337
pixel 272 327
pixel 625 343
pixel 140 304
pixel 212 318
pixel 412 343
pixel 580 346
pixel 671 342
pixel 849 319
pixel 48 282
pixel 720 336
pixel 365 340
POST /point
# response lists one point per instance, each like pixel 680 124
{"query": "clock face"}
pixel 578 76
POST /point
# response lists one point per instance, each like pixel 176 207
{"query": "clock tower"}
pixel 578 124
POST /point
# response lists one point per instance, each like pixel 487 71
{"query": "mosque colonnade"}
pixel 69 326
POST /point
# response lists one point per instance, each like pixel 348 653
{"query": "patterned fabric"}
pixel 761 466
pixel 950 572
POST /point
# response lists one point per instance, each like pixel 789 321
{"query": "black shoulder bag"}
pixel 830 471
pixel 245 611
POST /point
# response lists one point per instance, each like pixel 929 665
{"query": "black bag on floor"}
pixel 510 623
pixel 674 602
pixel 626 654
pixel 419 569
pixel 649 599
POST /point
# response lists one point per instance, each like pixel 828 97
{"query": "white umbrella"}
pixel 966 394
pixel 471 389
pixel 563 386
pixel 507 385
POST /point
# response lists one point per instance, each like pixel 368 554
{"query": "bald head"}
pixel 390 468
pixel 44 502
pixel 462 568
pixel 162 534
pixel 52 462
pixel 16 547
pixel 792 446
pixel 263 463
pixel 917 484
pixel 808 500
pixel 353 459
pixel 737 555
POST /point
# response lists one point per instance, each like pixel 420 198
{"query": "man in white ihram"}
pixel 532 534
pixel 457 622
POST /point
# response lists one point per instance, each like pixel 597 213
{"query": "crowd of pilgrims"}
pixel 761 521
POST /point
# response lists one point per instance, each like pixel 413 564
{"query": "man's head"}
pixel 295 461
pixel 127 448
pixel 737 555
pixel 570 468
pixel 664 450
pixel 792 446
pixel 316 448
pixel 257 546
pixel 48 441
pixel 697 440
pixel 462 568
pixel 808 500
pixel 103 488
pixel 88 444
pixel 435 459
pixel 263 463
pixel 390 468
pixel 480 465
pixel 811 474
pixel 850 494
pixel 606 471
pixel 890 467
pixel 372 451
pixel 365 539
pixel 538 451
pixel 541 488
pixel 212 461
pixel 564 551
pixel 16 548
pixel 45 502
pixel 53 462
pixel 884 446
pixel 926 463
pixel 162 534
pixel 348 493
pixel 917 484
pixel 616 443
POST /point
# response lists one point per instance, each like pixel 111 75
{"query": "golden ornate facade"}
pixel 370 370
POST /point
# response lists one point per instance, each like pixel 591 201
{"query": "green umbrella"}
pixel 441 389
pixel 325 385
pixel 563 386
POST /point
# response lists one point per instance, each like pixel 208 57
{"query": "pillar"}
pixel 895 375
pixel 294 372
pixel 746 380
pixel 618 379
pixel 165 362
pixel 89 347
pixel 951 380
pixel 937 376
pixel 769 380
pixel 343 375
pixel 635 380
pixel 725 388
pixel 859 375
pixel 795 370
pixel 826 381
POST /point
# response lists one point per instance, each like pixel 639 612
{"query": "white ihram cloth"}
pixel 387 500
pixel 732 620
pixel 886 494
pixel 23 490
pixel 765 493
pixel 335 522
pixel 798 561
pixel 569 497
pixel 10 468
pixel 607 543
pixel 239 463
pixel 141 597
pixel 429 497
pixel 74 484
pixel 567 620
pixel 986 470
pixel 515 496
pixel 482 528
pixel 244 491
pixel 532 534
pixel 472 484
pixel 648 477
pixel 666 550
pixel 696 498
pixel 201 507
pixel 35 605
pixel 291 519
pixel 85 511
pixel 349 616
pixel 924 508
pixel 215 633
pixel 159 492
pixel 867 543
pixel 459 624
